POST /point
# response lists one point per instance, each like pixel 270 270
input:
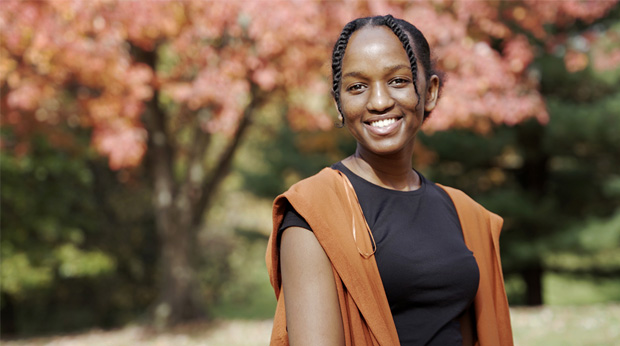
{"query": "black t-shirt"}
pixel 429 275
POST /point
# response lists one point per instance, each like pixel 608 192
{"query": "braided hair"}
pixel 406 33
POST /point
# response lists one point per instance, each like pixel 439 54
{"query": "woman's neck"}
pixel 391 172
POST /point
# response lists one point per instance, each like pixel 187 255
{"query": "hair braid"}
pixel 391 23
pixel 337 56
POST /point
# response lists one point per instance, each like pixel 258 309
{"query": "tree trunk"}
pixel 181 202
pixel 8 327
pixel 178 299
pixel 532 275
pixel 533 178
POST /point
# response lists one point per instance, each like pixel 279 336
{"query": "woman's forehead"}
pixel 370 34
pixel 377 45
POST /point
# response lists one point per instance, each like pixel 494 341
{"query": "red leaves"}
pixel 518 53
pixel 81 55
pixel 124 142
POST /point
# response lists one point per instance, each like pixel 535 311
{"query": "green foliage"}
pixel 42 206
pixel 74 262
pixel 591 248
pixel 249 274
pixel 557 186
pixel 71 238
pixel 574 290
pixel 601 234
pixel 274 156
pixel 19 274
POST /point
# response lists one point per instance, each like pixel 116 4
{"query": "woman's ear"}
pixel 432 91
pixel 340 117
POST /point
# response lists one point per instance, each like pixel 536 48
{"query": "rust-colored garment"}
pixel 328 203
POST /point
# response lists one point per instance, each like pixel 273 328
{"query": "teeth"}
pixel 383 123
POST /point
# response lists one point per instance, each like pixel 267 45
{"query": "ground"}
pixel 548 326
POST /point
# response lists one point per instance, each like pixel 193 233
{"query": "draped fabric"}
pixel 329 205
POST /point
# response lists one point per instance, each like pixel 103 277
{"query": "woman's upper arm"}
pixel 310 295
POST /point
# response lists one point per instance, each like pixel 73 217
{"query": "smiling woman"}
pixel 368 251
pixel 379 100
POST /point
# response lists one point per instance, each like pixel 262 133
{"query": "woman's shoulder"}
pixel 324 187
pixel 324 201
pixel 472 212
pixel 460 197
pixel 325 180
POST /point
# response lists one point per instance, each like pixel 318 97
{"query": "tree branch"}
pixel 222 167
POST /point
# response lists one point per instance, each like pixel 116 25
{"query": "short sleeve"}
pixel 291 219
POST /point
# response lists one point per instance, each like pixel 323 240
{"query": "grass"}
pixel 549 326
pixel 567 325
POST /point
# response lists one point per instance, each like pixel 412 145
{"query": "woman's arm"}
pixel 310 295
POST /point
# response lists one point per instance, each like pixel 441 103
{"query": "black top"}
pixel 429 275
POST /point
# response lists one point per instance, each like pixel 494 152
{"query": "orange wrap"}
pixel 327 202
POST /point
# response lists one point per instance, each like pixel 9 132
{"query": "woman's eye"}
pixel 399 81
pixel 355 87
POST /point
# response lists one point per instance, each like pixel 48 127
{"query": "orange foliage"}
pixel 213 53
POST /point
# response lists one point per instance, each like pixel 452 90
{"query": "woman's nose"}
pixel 379 99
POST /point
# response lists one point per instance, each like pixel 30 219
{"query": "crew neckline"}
pixel 341 166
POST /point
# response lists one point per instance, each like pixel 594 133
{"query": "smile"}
pixel 383 122
pixel 383 127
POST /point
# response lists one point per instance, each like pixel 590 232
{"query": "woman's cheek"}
pixel 354 106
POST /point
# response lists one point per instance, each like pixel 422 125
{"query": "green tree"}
pixel 555 185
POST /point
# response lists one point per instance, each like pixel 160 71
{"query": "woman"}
pixel 368 251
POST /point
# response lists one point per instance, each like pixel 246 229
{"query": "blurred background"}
pixel 142 144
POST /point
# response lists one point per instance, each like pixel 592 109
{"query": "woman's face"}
pixel 377 93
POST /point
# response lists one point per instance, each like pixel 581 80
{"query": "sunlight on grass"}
pixel 566 325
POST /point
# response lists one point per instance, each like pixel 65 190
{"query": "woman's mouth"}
pixel 383 122
pixel 383 127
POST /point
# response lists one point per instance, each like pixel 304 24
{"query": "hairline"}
pixel 371 23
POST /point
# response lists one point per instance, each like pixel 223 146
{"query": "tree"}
pixel 173 86
pixel 155 76
pixel 553 184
